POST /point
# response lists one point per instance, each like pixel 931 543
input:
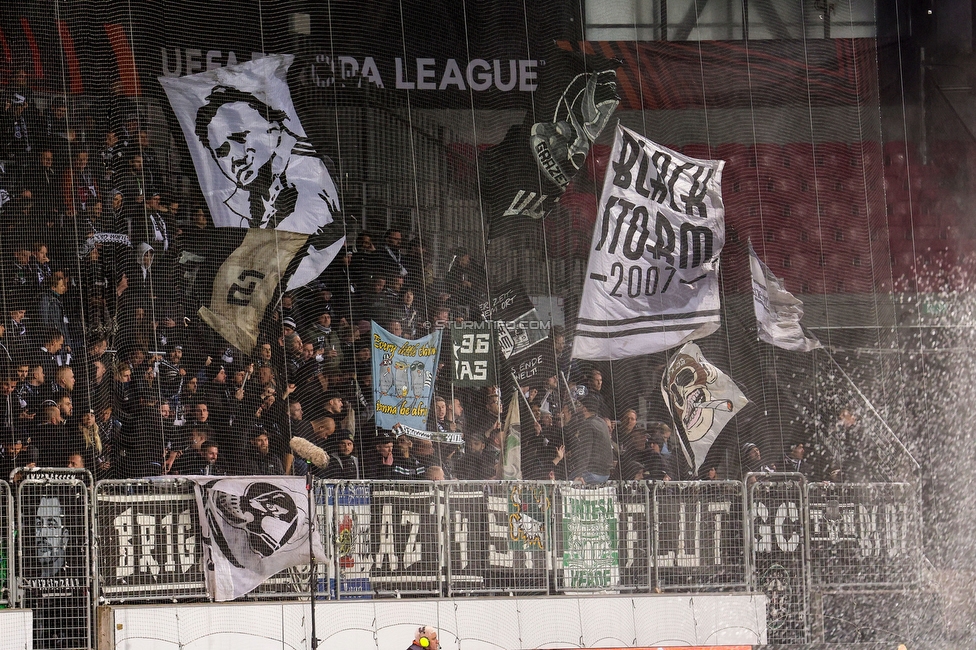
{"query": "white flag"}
pixel 253 527
pixel 702 399
pixel 778 312
pixel 257 169
pixel 652 278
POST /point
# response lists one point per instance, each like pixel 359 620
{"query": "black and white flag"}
pixel 252 527
pixel 701 398
pixel 778 312
pixel 652 279
pixel 257 170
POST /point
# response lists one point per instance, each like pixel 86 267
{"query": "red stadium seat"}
pixel 698 150
pixel 769 158
pixel 832 159
pixel 800 156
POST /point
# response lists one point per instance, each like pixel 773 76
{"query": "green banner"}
pixel 590 555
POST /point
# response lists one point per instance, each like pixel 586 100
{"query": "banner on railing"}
pixel 405 542
pixel 863 534
pixel 149 544
pixel 778 551
pixel 698 534
pixel 530 537
pixel 253 527
pixel 348 505
pixel 498 537
pixel 590 558
pixel 6 541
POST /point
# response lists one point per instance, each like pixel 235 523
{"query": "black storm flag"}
pixel 524 176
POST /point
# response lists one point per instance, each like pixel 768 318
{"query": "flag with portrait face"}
pixel 257 170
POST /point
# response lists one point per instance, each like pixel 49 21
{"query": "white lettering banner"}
pixel 652 279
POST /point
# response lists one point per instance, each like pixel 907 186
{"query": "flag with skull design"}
pixel 702 399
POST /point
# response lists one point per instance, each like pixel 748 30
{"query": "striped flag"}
pixel 652 278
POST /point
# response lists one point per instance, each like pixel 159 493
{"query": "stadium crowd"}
pixel 104 363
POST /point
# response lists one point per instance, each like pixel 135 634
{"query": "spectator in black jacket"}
pixel 261 460
pixel 593 455
pixel 344 464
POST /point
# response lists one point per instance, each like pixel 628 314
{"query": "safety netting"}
pixel 435 240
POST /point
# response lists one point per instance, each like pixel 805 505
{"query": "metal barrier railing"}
pixel 864 535
pixel 148 539
pixel 54 548
pixel 140 541
pixel 698 535
pixel 498 537
pixel 405 538
pixel 7 556
pixel 778 553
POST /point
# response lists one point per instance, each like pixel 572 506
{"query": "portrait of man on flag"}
pixel 257 170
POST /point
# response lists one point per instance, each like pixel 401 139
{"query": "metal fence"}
pixel 148 541
pixel 140 541
pixel 864 535
pixel 778 552
pixel 54 553
pixel 498 537
pixel 7 557
pixel 698 536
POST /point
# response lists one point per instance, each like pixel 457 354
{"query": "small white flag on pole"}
pixel 512 442
pixel 778 312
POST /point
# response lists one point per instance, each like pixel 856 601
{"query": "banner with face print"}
pixel 257 169
pixel 253 528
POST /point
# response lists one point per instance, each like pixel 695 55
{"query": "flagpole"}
pixel 873 410
pixel 312 581
pixel 569 391
pixel 525 399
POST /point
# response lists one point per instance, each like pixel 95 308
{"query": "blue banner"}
pixel 403 378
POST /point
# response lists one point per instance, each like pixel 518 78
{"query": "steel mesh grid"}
pixel 7 563
pixel 402 526
pixel 863 534
pixel 54 577
pixel 698 535
pixel 635 518
pixel 498 537
pixel 149 542
pixel 587 554
pixel 778 553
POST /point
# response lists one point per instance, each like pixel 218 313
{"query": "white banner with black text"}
pixel 652 278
